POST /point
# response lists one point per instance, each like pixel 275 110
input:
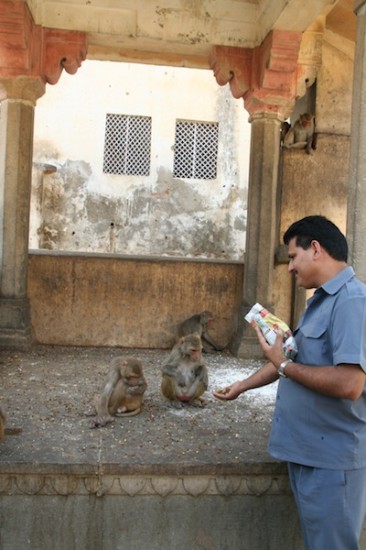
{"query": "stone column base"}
pixel 15 325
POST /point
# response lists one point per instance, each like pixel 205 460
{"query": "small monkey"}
pixel 302 134
pixel 184 375
pixel 285 126
pixel 123 393
pixel 200 323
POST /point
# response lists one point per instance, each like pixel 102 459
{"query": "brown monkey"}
pixel 285 126
pixel 123 393
pixel 200 323
pixel 184 375
pixel 302 134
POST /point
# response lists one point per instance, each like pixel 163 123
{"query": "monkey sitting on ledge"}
pixel 301 135
pixel 123 392
pixel 199 323
pixel 184 375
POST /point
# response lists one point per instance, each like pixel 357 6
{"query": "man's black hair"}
pixel 318 228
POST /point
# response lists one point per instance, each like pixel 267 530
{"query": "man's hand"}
pixel 230 392
pixel 273 353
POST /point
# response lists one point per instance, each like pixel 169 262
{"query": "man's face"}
pixel 302 264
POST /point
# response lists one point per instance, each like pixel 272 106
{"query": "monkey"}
pixel 200 323
pixel 302 134
pixel 123 392
pixel 285 126
pixel 184 375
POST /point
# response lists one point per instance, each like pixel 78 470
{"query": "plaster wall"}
pixel 77 207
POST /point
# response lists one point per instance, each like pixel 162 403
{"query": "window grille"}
pixel 127 145
pixel 195 154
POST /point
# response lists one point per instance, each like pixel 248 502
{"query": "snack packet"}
pixel 269 324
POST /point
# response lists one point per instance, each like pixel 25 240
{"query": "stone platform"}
pixel 165 479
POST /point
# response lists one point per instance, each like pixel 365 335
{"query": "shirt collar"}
pixel 333 285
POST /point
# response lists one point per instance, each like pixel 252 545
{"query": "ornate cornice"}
pixel 147 485
pixel 29 50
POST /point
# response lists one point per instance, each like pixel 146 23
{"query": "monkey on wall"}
pixel 184 375
pixel 199 323
pixel 123 392
pixel 302 134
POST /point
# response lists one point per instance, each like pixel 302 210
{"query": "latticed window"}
pixel 195 154
pixel 127 145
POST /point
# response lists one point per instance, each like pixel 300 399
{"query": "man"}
pixel 319 422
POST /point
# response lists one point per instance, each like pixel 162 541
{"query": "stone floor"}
pixel 45 393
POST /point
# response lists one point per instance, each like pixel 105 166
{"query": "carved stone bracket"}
pixel 266 77
pixel 29 50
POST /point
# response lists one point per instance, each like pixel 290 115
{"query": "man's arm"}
pixel 262 377
pixel 345 381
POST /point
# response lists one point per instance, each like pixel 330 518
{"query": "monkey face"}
pixel 195 354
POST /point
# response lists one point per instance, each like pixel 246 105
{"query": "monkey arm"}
pixel 201 374
pixel 169 369
pixel 136 389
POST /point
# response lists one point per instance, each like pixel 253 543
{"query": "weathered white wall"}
pixel 79 208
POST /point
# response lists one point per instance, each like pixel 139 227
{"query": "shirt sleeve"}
pixel 348 332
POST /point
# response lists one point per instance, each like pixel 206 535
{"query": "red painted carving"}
pixel 265 77
pixel 30 50
pixel 62 50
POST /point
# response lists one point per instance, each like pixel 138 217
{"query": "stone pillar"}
pixel 30 57
pixel 267 79
pixel 16 137
pixel 262 226
pixel 356 208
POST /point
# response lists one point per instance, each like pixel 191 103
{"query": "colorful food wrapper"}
pixel 269 324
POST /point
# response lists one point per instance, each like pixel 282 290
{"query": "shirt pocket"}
pixel 314 343
pixel 312 330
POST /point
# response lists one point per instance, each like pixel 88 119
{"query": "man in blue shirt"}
pixel 319 422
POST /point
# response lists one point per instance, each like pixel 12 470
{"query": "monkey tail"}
pixel 130 413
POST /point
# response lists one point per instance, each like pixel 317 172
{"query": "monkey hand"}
pixel 136 390
pixel 101 421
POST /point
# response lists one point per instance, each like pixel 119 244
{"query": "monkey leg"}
pixel 168 391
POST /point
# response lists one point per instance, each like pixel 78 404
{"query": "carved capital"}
pixel 264 77
pixel 29 50
pixel 24 88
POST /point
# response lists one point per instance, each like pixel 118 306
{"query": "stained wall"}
pixel 78 207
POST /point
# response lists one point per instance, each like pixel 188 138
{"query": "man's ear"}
pixel 316 248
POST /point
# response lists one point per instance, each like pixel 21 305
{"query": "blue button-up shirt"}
pixel 310 428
